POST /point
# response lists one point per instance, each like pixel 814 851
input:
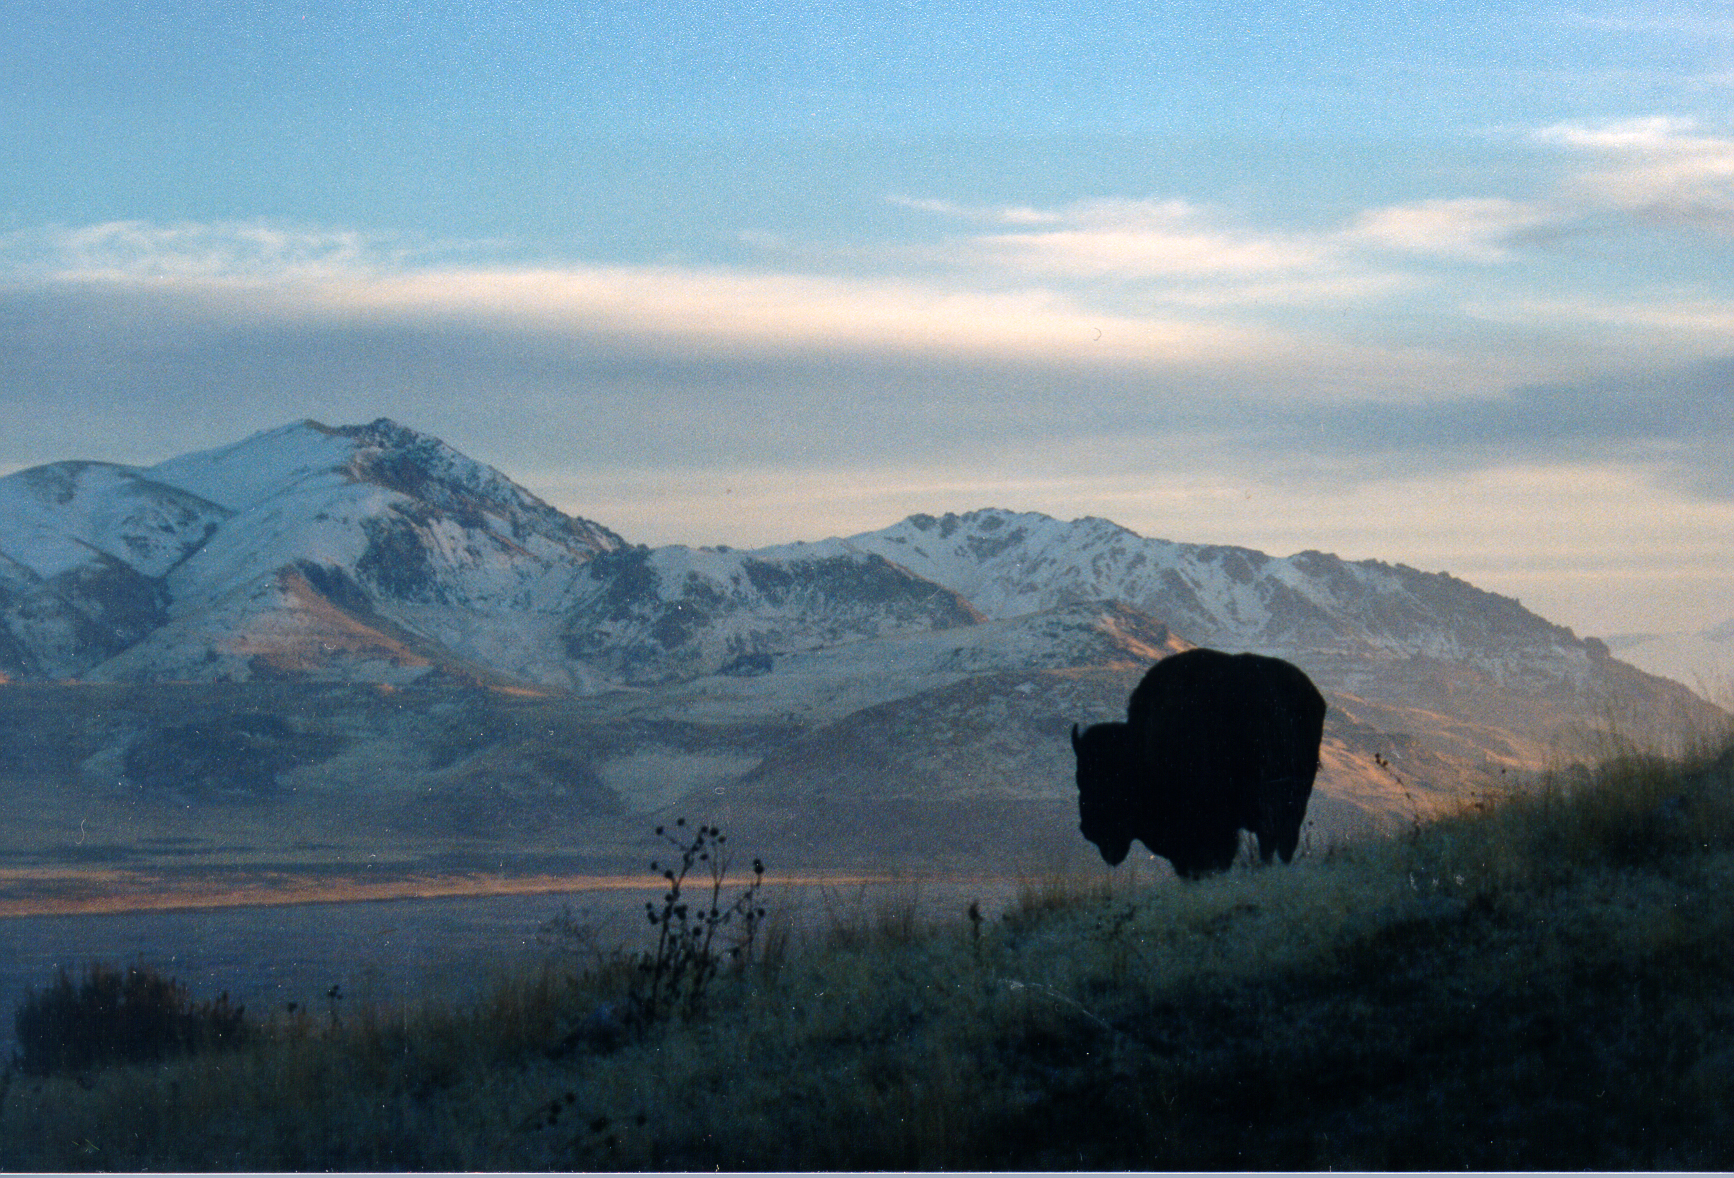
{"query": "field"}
pixel 1541 981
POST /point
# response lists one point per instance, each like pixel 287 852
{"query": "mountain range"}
pixel 898 691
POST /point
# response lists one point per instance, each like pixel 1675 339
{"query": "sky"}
pixel 1447 284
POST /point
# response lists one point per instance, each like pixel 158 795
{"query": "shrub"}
pixel 675 976
pixel 112 1016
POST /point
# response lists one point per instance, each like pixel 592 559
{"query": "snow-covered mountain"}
pixel 365 552
pixel 376 553
pixel 937 663
pixel 373 553
pixel 1333 615
pixel 642 615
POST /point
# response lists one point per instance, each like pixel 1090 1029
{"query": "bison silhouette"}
pixel 1212 744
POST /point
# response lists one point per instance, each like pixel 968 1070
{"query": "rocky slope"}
pixel 643 616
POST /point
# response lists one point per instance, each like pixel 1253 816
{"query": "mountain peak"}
pixel 309 456
pixel 258 549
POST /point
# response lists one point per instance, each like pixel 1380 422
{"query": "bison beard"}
pixel 1213 744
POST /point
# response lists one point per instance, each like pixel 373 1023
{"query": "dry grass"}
pixel 1540 982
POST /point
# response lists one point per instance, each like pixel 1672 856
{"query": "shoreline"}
pixel 80 897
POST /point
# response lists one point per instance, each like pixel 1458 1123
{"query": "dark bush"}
pixel 113 1016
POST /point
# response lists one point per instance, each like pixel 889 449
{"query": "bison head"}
pixel 1107 765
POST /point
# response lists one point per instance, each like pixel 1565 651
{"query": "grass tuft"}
pixel 113 1016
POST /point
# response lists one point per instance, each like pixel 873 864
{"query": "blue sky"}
pixel 1436 283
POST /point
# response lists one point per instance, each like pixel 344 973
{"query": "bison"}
pixel 1212 744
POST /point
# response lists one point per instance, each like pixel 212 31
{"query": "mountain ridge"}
pixel 929 668
pixel 410 524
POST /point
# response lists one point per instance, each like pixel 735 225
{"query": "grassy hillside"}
pixel 1541 981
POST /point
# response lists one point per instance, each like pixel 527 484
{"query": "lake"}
pixel 391 951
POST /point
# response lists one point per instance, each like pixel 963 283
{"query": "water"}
pixel 391 951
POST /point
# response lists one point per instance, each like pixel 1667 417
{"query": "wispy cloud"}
pixel 296 276
pixel 240 251
pixel 1698 25
pixel 1129 239
pixel 1478 229
pixel 1008 215
pixel 1705 323
pixel 1661 168
pixel 142 250
pixel 1190 255
pixel 1147 252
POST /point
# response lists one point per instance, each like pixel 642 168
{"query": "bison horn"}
pixel 1075 740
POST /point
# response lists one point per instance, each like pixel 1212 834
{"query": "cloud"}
pixel 1659 168
pixel 1183 255
pixel 1697 25
pixel 1477 229
pixel 1699 324
pixel 261 274
pixel 193 256
pixel 143 250
pixel 1662 171
pixel 1677 422
pixel 1145 253
pixel 1008 215
pixel 1640 135
pixel 236 328
pixel 1126 239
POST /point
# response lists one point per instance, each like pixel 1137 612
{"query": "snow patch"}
pixel 655 779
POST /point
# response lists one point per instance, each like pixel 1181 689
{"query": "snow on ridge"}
pixel 268 463
pixel 429 470
pixel 54 517
pixel 399 512
pixel 1010 563
pixel 315 522
pixel 652 615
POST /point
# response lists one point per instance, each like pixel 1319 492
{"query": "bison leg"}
pixel 1287 841
pixel 1268 845
pixel 1289 829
